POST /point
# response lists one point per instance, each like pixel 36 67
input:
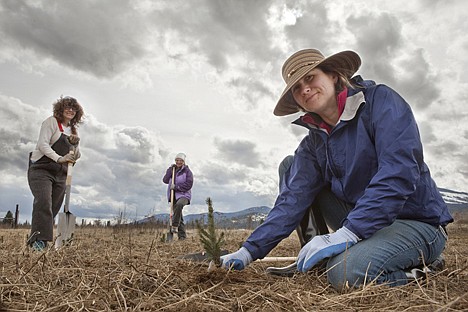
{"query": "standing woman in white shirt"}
pixel 48 165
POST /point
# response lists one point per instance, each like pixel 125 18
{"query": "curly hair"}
pixel 64 102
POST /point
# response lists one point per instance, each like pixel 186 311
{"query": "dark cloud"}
pixel 449 148
pixel 13 150
pixel 463 169
pixel 228 187
pixel 311 29
pixel 378 41
pixel 17 135
pixel 417 81
pixel 134 143
pixel 216 174
pixel 233 37
pixel 217 30
pixel 251 90
pixel 238 151
pixel 19 129
pixel 98 37
pixel 427 132
pixel 386 59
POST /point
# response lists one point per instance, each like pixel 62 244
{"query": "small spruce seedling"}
pixel 211 243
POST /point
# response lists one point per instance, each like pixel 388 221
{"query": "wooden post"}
pixel 16 216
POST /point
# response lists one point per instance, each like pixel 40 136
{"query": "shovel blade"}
pixel 169 237
pixel 65 228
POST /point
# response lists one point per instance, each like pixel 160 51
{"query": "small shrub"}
pixel 211 243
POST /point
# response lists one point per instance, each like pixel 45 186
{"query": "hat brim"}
pixel 346 62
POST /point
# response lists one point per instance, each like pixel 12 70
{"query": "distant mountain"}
pixel 252 217
pixel 456 201
pixel 247 218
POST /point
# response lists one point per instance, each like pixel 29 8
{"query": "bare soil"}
pixel 134 269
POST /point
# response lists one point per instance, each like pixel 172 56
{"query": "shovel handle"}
pixel 69 170
pixel 172 184
pixel 68 184
pixel 172 200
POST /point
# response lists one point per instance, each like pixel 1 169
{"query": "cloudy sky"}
pixel 202 77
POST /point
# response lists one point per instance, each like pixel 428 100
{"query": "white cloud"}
pixel 202 77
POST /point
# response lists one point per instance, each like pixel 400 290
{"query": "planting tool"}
pixel 276 259
pixel 291 269
pixel 202 257
pixel 66 220
pixel 288 270
pixel 170 234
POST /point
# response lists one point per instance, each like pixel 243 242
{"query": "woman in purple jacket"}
pixel 360 172
pixel 182 186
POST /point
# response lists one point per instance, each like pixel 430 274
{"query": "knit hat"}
pixel 180 156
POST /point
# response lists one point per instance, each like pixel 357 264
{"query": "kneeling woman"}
pixel 360 172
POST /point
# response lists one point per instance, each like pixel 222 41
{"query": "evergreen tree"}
pixel 211 243
pixel 8 218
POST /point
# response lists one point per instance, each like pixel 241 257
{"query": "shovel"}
pixel 170 234
pixel 66 220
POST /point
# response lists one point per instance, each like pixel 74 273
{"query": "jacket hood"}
pixel 360 83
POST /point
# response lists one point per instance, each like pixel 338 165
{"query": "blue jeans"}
pixel 387 255
pixel 382 258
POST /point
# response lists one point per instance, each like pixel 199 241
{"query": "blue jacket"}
pixel 372 159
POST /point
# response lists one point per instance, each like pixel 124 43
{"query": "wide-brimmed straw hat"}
pixel 302 62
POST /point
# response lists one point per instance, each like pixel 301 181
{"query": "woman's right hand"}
pixel 237 260
pixel 69 158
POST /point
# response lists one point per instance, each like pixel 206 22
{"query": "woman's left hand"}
pixel 324 246
pixel 74 139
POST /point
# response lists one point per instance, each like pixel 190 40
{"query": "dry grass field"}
pixel 132 269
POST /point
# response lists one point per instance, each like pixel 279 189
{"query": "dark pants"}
pixel 178 218
pixel 48 189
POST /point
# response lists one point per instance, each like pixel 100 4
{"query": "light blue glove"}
pixel 237 260
pixel 324 246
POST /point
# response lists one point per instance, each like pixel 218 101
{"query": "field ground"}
pixel 133 269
